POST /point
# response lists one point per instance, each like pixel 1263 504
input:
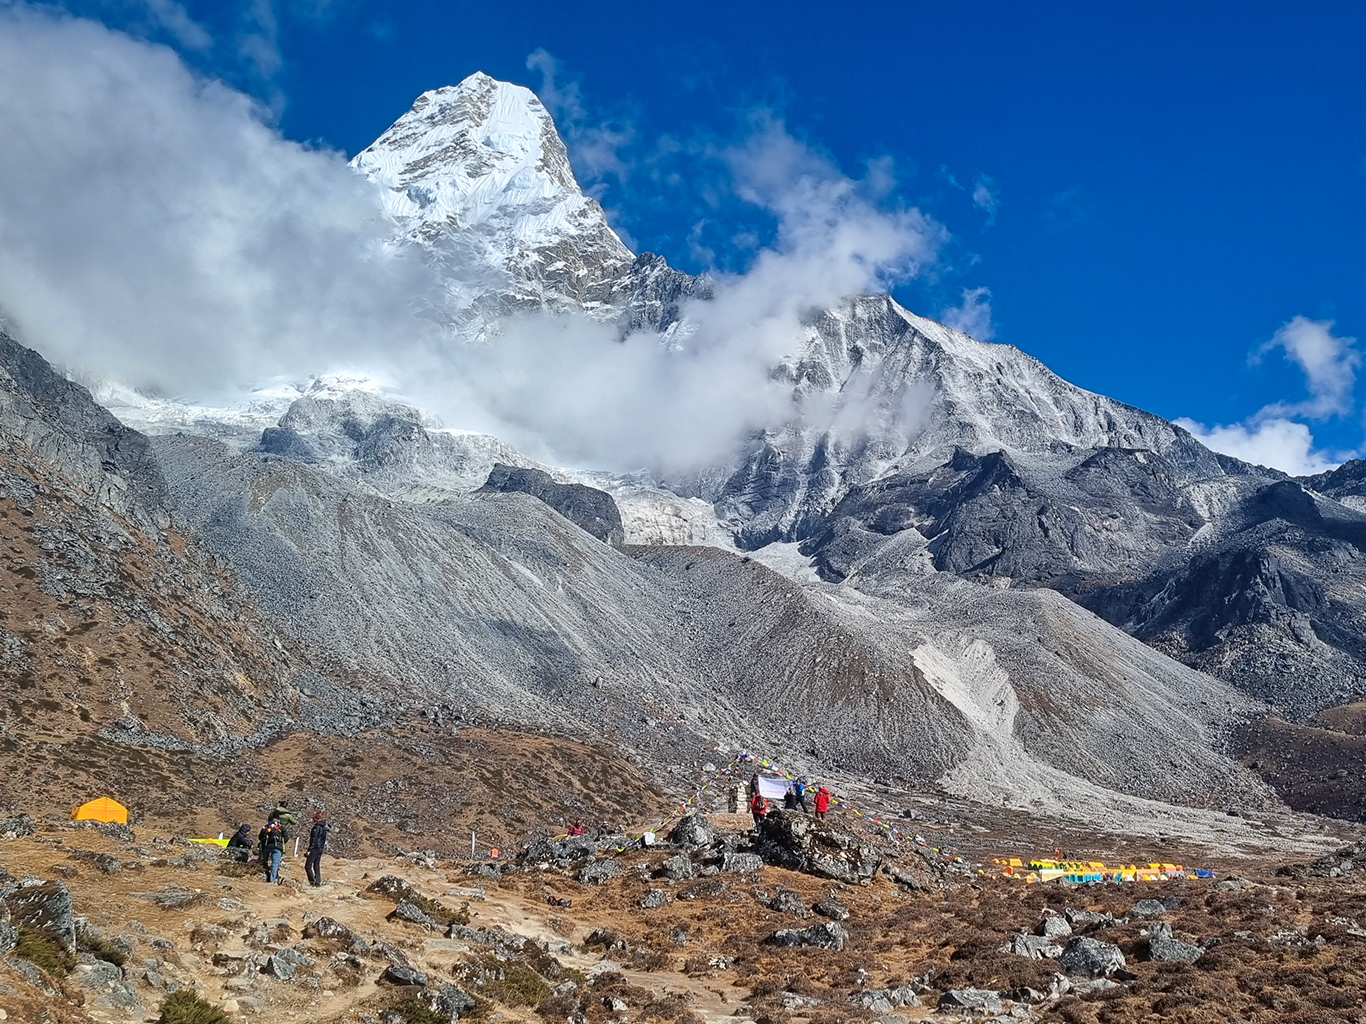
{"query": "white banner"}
pixel 773 789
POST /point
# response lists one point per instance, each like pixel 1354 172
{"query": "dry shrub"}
pixel 767 986
pixel 1074 1011
pixel 672 1007
pixel 42 952
pixel 644 959
pixel 414 1011
pixel 89 941
pixel 184 1007
pixel 561 1007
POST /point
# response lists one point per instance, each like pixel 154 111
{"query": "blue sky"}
pixel 1148 195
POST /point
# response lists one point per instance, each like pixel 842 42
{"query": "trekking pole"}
pixel 471 844
pixel 296 847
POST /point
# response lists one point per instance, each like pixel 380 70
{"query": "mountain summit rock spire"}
pixel 477 175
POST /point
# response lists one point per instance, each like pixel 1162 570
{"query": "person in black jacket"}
pixel 239 844
pixel 317 842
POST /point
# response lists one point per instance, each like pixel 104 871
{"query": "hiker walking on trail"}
pixel 273 839
pixel 317 842
pixel 799 792
pixel 758 806
pixel 822 802
pixel 282 814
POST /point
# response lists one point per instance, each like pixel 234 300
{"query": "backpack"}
pixel 275 837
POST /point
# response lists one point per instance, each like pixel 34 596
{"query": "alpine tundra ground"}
pixel 392 935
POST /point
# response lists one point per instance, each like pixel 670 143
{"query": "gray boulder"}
pixel 678 867
pixel 413 914
pixel 98 975
pixel 653 899
pixel 446 1001
pixel 1054 925
pixel 1091 957
pixel 278 967
pixel 327 928
pixel 802 843
pixel 785 901
pixel 971 1000
pixel 832 908
pixel 826 935
pixel 394 887
pixel 9 934
pixel 745 863
pixel 693 831
pixel 1085 917
pixel 560 853
pixel 1166 949
pixel 605 938
pixel 597 872
pixel 873 999
pixel 586 507
pixel 401 974
pixel 1152 908
pixel 16 827
pixel 1036 947
pixel 701 890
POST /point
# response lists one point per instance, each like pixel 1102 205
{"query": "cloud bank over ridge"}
pixel 157 230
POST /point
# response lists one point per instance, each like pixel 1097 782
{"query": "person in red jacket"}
pixel 822 801
pixel 758 806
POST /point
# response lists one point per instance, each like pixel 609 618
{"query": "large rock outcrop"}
pixel 789 839
pixel 586 507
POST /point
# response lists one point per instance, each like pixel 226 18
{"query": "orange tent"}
pixel 103 809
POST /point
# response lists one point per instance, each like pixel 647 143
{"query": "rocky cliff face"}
pixel 54 420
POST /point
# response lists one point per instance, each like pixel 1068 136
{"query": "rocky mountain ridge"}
pixel 983 463
pixel 493 606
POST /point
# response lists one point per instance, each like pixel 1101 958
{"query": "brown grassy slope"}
pixel 414 787
pixel 1315 769
pixel 1348 718
pixel 101 624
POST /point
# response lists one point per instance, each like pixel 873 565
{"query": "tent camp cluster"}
pixel 1092 871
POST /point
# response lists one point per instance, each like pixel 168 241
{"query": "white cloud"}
pixel 973 316
pixel 259 42
pixel 1329 363
pixel 156 230
pixel 1271 437
pixel 985 196
pixel 569 389
pixel 1279 443
pixel 598 149
pixel 175 20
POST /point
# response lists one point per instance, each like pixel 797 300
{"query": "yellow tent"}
pixel 102 809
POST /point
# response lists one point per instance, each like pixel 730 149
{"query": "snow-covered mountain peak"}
pixel 477 175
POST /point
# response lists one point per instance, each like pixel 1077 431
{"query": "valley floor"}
pixel 537 944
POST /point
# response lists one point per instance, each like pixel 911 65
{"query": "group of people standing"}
pixel 273 839
pixel 793 800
